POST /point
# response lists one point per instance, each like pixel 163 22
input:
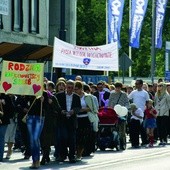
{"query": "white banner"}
pixel 4 7
pixel 102 58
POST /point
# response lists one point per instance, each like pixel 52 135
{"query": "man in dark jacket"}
pixel 70 105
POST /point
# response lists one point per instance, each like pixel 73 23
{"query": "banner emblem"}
pixel 86 61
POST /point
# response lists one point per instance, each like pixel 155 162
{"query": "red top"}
pixel 148 114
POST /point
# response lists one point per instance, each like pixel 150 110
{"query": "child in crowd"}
pixel 135 123
pixel 150 121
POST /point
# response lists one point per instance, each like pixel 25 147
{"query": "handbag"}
pixel 25 117
pixel 93 117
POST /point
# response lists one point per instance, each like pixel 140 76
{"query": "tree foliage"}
pixel 91 31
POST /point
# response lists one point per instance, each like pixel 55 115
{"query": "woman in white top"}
pixel 84 124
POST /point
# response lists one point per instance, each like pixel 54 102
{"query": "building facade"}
pixel 28 28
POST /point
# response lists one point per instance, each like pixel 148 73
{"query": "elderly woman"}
pixel 162 106
pixel 84 124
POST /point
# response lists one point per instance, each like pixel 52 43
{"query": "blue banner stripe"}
pixel 160 15
pixel 115 13
pixel 138 13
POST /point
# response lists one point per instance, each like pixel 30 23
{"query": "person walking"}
pixel 70 106
pixel 84 124
pixel 120 97
pixel 162 106
pixel 102 96
pixel 60 87
pixel 135 124
pixel 12 126
pixel 5 115
pixel 140 97
pixel 150 121
pixel 90 146
pixel 48 134
pixel 35 123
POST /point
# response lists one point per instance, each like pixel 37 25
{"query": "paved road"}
pixel 157 158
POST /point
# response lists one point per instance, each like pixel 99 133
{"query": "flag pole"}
pixel 106 73
pixel 130 48
pixel 106 22
pixel 153 40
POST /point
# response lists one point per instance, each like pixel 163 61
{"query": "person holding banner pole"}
pixel 50 123
pixel 35 123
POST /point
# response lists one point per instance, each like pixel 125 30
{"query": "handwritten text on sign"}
pixel 22 78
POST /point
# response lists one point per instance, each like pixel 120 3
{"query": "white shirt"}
pixel 83 103
pixel 138 112
pixel 139 98
pixel 69 99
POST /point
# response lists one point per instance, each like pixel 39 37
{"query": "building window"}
pixel 1 22
pixel 17 15
pixel 34 16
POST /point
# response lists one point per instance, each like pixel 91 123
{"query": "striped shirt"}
pixel 118 98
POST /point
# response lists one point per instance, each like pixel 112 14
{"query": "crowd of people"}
pixel 66 117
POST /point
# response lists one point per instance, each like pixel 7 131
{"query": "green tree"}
pixel 91 22
pixel 91 30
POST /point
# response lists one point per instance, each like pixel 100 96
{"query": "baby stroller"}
pixel 108 136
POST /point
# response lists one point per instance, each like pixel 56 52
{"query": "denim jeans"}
pixel 3 129
pixel 35 125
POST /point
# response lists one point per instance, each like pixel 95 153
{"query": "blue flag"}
pixel 115 13
pixel 138 13
pixel 160 15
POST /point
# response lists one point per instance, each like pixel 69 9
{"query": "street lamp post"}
pixel 62 34
pixel 153 53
